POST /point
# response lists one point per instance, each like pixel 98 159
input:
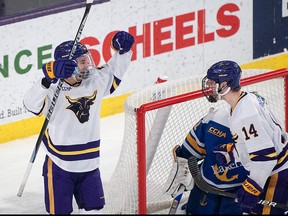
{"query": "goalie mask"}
pixel 223 71
pixel 85 63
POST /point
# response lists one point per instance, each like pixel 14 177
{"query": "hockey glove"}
pixel 248 195
pixel 122 42
pixel 224 154
pixel 180 178
pixel 59 69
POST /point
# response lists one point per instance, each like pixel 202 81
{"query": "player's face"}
pixel 83 63
pixel 85 66
pixel 212 85
pixel 210 89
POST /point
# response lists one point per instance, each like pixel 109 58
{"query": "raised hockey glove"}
pixel 248 195
pixel 122 42
pixel 224 154
pixel 59 69
pixel 180 178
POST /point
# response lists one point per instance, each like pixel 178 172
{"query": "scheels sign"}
pixel 158 37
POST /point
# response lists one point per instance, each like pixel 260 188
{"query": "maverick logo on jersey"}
pixel 81 106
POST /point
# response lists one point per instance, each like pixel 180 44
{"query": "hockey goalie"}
pixel 209 132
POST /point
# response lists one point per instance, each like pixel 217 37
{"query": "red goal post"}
pixel 160 117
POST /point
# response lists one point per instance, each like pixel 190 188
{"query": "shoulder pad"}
pixel 219 115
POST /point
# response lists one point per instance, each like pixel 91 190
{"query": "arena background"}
pixel 175 38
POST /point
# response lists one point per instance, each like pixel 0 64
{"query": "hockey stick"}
pixel 176 201
pixel 201 183
pixel 174 205
pixel 54 100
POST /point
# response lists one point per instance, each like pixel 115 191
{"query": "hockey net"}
pixel 159 117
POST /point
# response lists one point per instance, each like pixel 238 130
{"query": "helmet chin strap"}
pixel 221 89
pixel 224 93
pixel 76 77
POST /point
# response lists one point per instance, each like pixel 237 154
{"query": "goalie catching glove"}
pixel 122 42
pixel 180 178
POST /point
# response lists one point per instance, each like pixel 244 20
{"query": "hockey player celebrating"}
pixel 260 141
pixel 72 139
pixel 211 131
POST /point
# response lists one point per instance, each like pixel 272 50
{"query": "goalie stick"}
pixel 204 186
pixel 175 203
pixel 54 100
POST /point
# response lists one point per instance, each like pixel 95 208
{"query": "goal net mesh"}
pixel 164 128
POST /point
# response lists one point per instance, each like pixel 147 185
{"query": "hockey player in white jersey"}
pixel 209 132
pixel 260 141
pixel 72 139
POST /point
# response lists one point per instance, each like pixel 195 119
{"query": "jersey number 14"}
pixel 251 132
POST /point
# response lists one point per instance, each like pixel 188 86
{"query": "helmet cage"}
pixel 210 93
pixel 85 63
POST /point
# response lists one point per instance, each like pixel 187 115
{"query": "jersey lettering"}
pixel 217 132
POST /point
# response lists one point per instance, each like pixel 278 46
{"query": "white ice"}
pixel 15 156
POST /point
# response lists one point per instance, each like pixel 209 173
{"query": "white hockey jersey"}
pixel 72 138
pixel 261 143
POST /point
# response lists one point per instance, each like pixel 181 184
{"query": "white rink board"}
pixel 38 37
